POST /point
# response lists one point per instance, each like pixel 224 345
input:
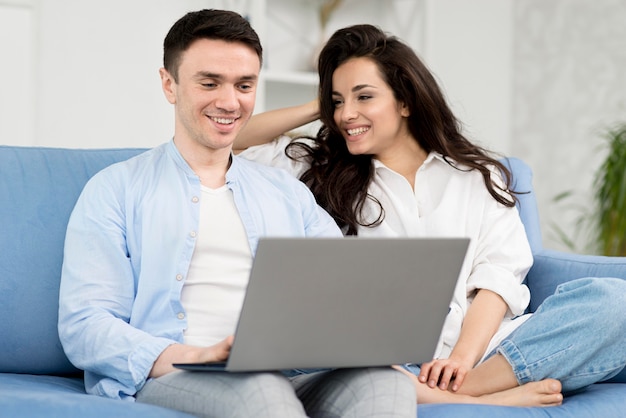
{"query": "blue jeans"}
pixel 577 336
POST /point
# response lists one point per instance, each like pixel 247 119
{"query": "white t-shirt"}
pixel 446 202
pixel 218 274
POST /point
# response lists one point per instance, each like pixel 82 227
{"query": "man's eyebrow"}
pixel 207 74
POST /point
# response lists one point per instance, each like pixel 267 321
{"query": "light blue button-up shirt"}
pixel 128 247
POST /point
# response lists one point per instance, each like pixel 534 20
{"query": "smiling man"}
pixel 159 248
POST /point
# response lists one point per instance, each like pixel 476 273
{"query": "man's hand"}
pixel 180 353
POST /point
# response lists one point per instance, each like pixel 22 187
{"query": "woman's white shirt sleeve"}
pixel 273 154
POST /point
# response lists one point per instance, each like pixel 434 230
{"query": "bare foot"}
pixel 543 393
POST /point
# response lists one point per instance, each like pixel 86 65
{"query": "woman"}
pixel 390 160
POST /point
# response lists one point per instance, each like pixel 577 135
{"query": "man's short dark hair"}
pixel 215 24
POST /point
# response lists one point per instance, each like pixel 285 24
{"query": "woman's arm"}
pixel 481 322
pixel 264 127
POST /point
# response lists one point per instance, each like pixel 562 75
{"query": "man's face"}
pixel 215 92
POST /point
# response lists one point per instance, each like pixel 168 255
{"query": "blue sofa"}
pixel 38 188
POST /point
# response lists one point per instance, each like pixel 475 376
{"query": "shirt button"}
pixel 195 199
pixel 179 277
pixel 180 315
pixel 192 234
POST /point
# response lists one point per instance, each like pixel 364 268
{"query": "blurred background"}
pixel 541 80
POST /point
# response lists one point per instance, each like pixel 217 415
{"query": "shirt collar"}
pixel 180 161
pixel 432 156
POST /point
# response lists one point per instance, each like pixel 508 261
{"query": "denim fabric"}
pixel 412 368
pixel 575 336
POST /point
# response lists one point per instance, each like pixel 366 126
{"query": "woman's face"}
pixel 368 115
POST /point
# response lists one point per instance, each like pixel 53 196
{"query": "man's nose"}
pixel 227 99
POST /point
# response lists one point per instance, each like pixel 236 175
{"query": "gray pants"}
pixel 358 393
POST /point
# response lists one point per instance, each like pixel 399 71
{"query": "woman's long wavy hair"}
pixel 340 180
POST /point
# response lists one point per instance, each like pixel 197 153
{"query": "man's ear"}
pixel 168 84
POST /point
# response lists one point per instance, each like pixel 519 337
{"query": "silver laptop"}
pixel 343 302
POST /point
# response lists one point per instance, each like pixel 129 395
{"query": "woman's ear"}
pixel 404 110
pixel 168 84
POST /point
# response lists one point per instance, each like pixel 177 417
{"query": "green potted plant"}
pixel 610 196
pixel 603 222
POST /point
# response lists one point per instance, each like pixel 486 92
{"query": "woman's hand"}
pixel 481 322
pixel 444 373
pixel 180 353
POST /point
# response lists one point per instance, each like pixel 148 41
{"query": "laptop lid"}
pixel 345 302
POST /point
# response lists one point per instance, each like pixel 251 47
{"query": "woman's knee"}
pixel 603 298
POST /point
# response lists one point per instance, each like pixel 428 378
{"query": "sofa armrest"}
pixel 551 268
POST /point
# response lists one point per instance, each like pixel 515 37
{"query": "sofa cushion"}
pixel 38 189
pixel 551 268
pixel 600 400
pixel 55 396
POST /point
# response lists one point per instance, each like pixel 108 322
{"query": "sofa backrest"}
pixel 527 200
pixel 38 189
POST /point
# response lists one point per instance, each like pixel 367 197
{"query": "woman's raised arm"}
pixel 264 127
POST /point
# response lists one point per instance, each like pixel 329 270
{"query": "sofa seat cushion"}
pixel 599 400
pixel 30 396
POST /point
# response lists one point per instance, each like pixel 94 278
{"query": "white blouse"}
pixel 446 202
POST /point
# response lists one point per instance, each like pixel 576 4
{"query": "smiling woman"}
pixel 391 160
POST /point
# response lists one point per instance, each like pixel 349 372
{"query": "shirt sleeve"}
pixel 318 223
pixel 273 154
pixel 97 293
pixel 502 257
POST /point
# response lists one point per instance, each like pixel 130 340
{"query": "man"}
pixel 159 248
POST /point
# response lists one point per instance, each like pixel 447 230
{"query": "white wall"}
pixel 468 45
pixel 98 80
pixel 570 85
pixel 97 85
pixel 17 100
